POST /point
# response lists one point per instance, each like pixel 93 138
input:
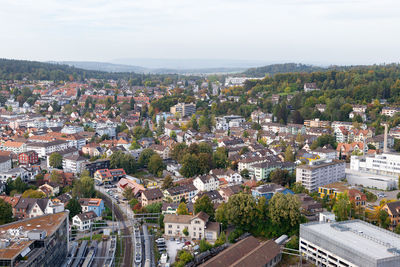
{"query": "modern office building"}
pixel 184 109
pixel 349 244
pixel 39 241
pixel 382 164
pixel 320 172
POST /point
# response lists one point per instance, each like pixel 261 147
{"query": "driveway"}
pixel 172 249
pixel 389 194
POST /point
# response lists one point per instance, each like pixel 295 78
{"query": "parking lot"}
pixel 172 248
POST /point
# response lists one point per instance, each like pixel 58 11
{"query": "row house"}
pixel 151 196
pixel 185 191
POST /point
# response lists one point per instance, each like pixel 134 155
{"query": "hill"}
pixel 281 68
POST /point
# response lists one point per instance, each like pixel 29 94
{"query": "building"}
pixel 393 209
pixel 262 170
pixel 28 157
pixel 73 163
pixel 39 241
pixel 269 190
pixel 92 167
pixel 308 87
pixel 183 109
pixel 320 172
pixel 186 191
pixel 309 207
pixel 198 226
pixel 85 220
pixel 349 243
pixel 109 175
pixel 152 196
pixel 5 163
pixel 247 252
pixel 390 111
pixel 16 147
pixel 206 183
pixel 44 149
pixel 92 204
pixel 33 207
pixel 382 164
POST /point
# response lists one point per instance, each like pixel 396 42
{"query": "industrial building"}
pixel 349 243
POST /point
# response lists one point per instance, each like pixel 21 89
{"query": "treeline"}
pixel 281 68
pixel 33 70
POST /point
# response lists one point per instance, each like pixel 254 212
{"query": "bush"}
pixel 221 240
pixel 234 235
pixel 204 245
pixel 293 243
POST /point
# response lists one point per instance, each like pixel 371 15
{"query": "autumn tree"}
pixel 284 209
pixel 156 165
pixel 168 182
pixel 31 193
pixel 182 209
pixel 55 160
pixel 342 207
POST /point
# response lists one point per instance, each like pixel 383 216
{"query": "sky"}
pixel 303 31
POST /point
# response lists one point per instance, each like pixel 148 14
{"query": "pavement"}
pixel 172 249
pixel 389 194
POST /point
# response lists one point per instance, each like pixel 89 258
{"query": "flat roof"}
pixel 361 237
pixel 48 223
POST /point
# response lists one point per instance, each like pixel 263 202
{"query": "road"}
pixel 128 247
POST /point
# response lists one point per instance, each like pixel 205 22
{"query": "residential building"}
pixel 269 190
pixel 308 87
pixel 247 252
pixel 227 192
pixel 309 207
pixel 169 208
pixel 393 209
pixel 349 243
pixel 262 170
pixel 320 172
pixel 39 241
pixel 85 220
pixel 73 163
pixel 44 149
pixel 198 226
pixel 5 163
pixel 186 191
pixel 92 167
pixel 125 183
pixel 151 196
pixel 16 147
pixel 92 204
pixel 32 207
pixel 109 175
pixel 206 183
pixel 183 109
pixel 316 123
pixel 28 158
pixel 390 111
pixel 50 189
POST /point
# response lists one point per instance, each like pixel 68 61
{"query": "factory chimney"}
pixel 385 149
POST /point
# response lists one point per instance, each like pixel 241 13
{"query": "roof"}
pixel 90 201
pixel 86 216
pixel 49 223
pixel 394 207
pixel 154 193
pixel 247 252
pixel 355 237
pixel 175 218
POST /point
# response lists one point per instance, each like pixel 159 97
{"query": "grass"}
pixel 140 173
pixel 97 237
pixel 119 252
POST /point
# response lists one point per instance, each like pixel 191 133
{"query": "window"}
pixel 169 225
pixel 170 232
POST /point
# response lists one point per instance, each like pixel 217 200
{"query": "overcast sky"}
pixel 306 31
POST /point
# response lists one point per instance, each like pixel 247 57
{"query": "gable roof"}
pixel 154 193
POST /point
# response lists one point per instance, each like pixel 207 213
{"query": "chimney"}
pixel 385 150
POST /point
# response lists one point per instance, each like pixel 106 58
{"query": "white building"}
pixel 206 183
pixel 84 221
pixel 72 129
pixel 73 163
pixel 5 163
pixel 16 147
pixel 183 109
pixel 390 111
pixel 44 149
pixel 382 164
pixel 319 173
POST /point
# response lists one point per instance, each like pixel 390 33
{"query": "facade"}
pixel 152 196
pixel 381 164
pixel 320 172
pixel 92 167
pixel 109 175
pixel 187 191
pixel 92 204
pixel 40 241
pixel 269 190
pixel 5 163
pixel 393 209
pixel 262 170
pixel 29 157
pixel 85 220
pixel 183 109
pixel 197 226
pixel 390 111
pixel 73 163
pixel 349 243
pixel 44 149
pixel 206 183
pixel 32 207
pixel 16 147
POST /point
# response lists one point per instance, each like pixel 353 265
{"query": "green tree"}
pixel 220 158
pixel 190 165
pixel 284 209
pixel 56 177
pixel 145 156
pixel 55 160
pixel 178 151
pixel 31 193
pixel 6 214
pixel 168 182
pixel 204 204
pixel 185 231
pixel 397 229
pixel 383 219
pixel 240 211
pixel 289 154
pixel 154 208
pixel 342 207
pixel 279 176
pixel 220 215
pixel 204 245
pixel 128 193
pixel 193 122
pixel 84 187
pixel 245 173
pixel 182 209
pixel 74 207
pixel 156 165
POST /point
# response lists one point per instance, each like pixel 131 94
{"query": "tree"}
pixel 220 240
pixel 84 187
pixel 193 122
pixel 168 182
pixel 55 160
pixel 342 207
pixel 220 215
pixel 145 156
pixel 397 229
pixel 31 193
pixel 185 231
pixel 245 173
pixel 6 214
pixel 178 151
pixel 241 211
pixel 284 209
pixel 204 245
pixel 56 177
pixel 74 207
pixel 128 193
pixel 182 209
pixel 279 176
pixel 298 188
pixel 289 154
pixel 154 208
pixel 156 165
pixel 383 219
pixel 204 204
pixel 220 158
pixel 190 165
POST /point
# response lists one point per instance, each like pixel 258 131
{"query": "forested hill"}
pixel 281 68
pixel 32 70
